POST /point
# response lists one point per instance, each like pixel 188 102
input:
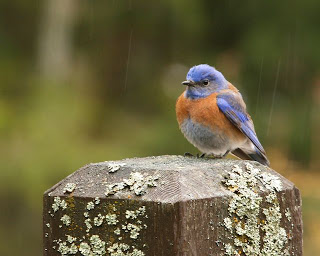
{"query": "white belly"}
pixel 206 140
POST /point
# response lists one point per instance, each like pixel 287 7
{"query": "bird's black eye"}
pixel 205 82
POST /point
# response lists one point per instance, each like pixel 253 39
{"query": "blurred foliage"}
pixel 107 90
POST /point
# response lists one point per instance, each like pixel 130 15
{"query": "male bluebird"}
pixel 212 116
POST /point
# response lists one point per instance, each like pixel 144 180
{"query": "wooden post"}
pixel 173 205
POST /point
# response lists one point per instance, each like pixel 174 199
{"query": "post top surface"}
pixel 166 179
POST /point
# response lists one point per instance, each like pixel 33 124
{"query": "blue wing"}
pixel 234 109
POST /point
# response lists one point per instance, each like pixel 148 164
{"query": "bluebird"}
pixel 213 117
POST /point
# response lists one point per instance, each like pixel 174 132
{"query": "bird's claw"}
pixel 187 154
pixel 201 156
pixel 225 154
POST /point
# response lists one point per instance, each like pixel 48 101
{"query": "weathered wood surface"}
pixel 172 205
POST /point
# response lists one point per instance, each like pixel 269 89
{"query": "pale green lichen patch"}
pixel 66 220
pixel 97 247
pixel 275 236
pixel 245 205
pixel 87 222
pixel 228 223
pixel 271 182
pixel 272 197
pixel 117 231
pixel 125 224
pixel 122 249
pixel 230 250
pixel 133 229
pixel 111 219
pixel 134 214
pixel 85 249
pixel 97 200
pixel 136 183
pixel 90 206
pixel 71 239
pixel 64 249
pixel 97 221
pixel 288 214
pixel 113 167
pixel 245 208
pixel 69 188
pixel 133 226
pixel 58 203
pixel 112 189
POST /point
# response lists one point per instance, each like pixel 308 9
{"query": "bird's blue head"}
pixel 203 80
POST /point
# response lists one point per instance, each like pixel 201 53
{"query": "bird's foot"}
pixel 187 154
pixel 201 156
pixel 225 154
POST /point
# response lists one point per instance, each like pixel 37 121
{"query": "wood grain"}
pixel 184 213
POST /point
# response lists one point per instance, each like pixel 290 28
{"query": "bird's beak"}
pixel 188 83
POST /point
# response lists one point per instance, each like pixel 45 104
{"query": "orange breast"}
pixel 206 112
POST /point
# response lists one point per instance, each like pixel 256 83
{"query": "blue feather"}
pixel 236 113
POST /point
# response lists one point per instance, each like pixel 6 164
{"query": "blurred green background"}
pixel 87 81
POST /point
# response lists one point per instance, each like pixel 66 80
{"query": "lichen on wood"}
pixel 245 206
pixel 172 205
